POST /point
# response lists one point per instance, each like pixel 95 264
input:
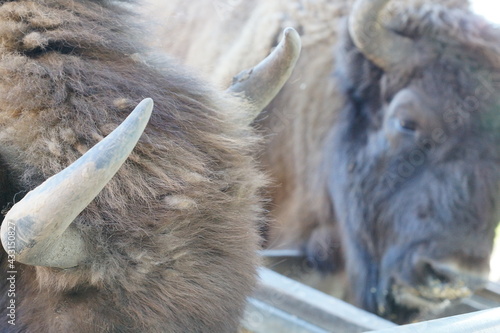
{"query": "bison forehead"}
pixel 454 98
pixel 449 21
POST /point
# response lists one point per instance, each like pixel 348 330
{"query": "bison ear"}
pixel 262 83
pixel 37 230
pixel 367 28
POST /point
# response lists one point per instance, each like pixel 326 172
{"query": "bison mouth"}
pixel 402 303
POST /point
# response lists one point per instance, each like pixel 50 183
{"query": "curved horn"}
pixel 380 45
pixel 262 83
pixel 37 230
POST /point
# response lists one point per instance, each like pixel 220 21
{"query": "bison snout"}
pixel 434 285
pixel 449 279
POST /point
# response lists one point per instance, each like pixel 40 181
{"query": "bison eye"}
pixel 407 125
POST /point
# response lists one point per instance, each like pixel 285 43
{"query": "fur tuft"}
pixel 172 238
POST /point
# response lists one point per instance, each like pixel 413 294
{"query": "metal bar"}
pixel 282 253
pixel 310 306
pixel 281 304
pixel 261 317
pixel 491 292
pixel 487 321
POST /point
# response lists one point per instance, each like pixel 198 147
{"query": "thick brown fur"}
pixel 400 218
pixel 297 121
pixel 171 240
pixel 298 154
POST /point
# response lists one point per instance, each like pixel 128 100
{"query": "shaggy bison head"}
pixel 169 242
pixel 416 155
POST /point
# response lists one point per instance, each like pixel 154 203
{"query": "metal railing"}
pixel 281 304
pixel 487 321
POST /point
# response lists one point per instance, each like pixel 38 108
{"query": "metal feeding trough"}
pixel 283 305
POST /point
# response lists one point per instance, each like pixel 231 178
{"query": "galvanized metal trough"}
pixel 283 305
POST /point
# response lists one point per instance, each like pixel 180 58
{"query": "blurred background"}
pixel 488 9
pixel 491 11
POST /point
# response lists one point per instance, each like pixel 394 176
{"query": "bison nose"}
pixel 451 275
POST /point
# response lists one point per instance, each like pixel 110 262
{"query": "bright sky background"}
pixel 490 9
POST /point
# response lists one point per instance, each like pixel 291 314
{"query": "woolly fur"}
pixel 457 55
pixel 296 123
pixel 171 240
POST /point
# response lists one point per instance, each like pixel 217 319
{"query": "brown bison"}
pixel 169 244
pixel 385 139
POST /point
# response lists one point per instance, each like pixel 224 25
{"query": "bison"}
pixel 383 147
pixel 170 243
